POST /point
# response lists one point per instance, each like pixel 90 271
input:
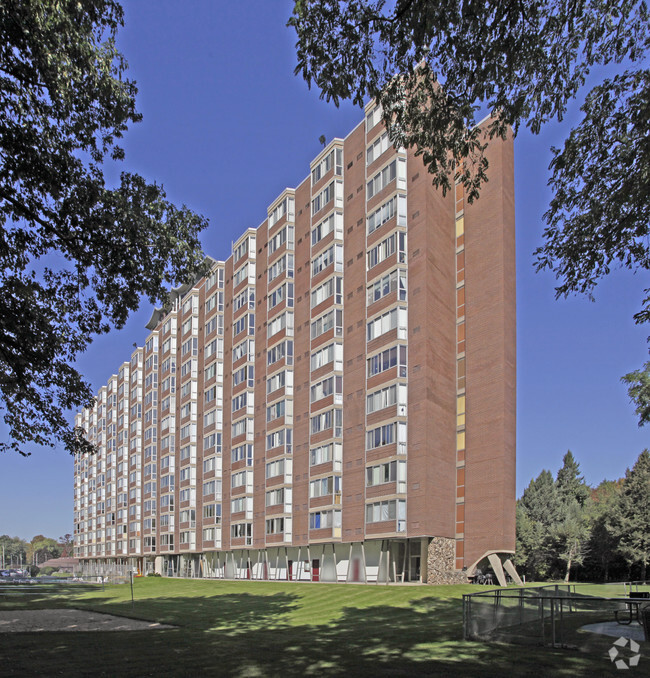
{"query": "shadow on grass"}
pixel 242 634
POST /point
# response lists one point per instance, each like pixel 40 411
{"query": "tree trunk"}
pixel 643 566
pixel 568 571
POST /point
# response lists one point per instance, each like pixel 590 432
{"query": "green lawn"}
pixel 229 628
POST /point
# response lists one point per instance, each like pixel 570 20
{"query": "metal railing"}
pixel 553 614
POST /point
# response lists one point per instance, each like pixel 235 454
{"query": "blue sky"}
pixel 227 126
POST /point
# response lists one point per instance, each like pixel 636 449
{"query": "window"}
pixel 324 486
pixel 387 434
pixel 212 442
pixel 208 534
pixel 280 351
pixel 245 348
pixel 280 294
pixel 327 290
pixel 285 207
pixel 395 318
pixel 284 263
pixel 239 401
pixel 212 511
pixel 210 464
pixel 212 488
pixel 327 387
pixel 242 530
pixel 333 319
pixel 387 510
pixel 279 323
pixel 284 235
pixel 329 419
pixel 388 359
pixel 278 409
pixel 279 439
pixel 386 212
pixel 388 284
pixel 396 169
pixel 191 345
pixel 333 159
pixel 243 324
pixel 245 297
pixel 333 191
pixel 373 117
pixel 323 519
pixel 239 479
pixel 275 526
pixel 386 248
pixel 245 373
pixel 381 473
pixel 215 301
pixel 386 397
pixel 241 275
pixel 215 277
pixel 332 223
pixel 275 497
pixel 378 146
pixel 324 356
pixel 241 427
pixel 214 347
pixel 279 380
pixel 333 254
pixel 275 468
pixel 239 504
pixel 326 453
pixel 242 453
pixel 246 246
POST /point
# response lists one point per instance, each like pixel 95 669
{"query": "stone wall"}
pixel 441 559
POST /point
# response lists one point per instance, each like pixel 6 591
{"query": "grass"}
pixel 233 628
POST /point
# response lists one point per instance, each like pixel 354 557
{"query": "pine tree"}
pixel 633 519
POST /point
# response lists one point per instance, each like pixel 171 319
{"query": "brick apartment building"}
pixel 333 402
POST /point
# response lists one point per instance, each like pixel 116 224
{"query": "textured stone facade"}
pixel 441 558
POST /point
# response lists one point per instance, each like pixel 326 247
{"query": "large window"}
pixel 386 248
pixel 395 318
pixel 324 356
pixel 284 235
pixel 332 287
pixel 284 263
pixel 328 420
pixel 333 159
pixel 333 319
pixel 392 282
pixel 384 213
pixel 396 169
pixel 381 511
pixel 279 323
pixel 332 223
pixel 322 519
pixel 333 254
pixel 282 350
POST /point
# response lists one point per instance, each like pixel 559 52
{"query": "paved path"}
pixel 26 621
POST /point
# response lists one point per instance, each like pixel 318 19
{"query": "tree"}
pixel 639 392
pixel 76 255
pixel 14 550
pixel 603 540
pixel 66 544
pixel 570 484
pixel 633 519
pixel 42 548
pixel 434 65
pixel 571 533
pixel 539 511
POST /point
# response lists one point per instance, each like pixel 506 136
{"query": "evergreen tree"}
pixel 539 512
pixel 570 484
pixel 633 519
pixel 603 538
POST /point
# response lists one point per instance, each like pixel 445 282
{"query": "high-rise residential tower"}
pixel 333 402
